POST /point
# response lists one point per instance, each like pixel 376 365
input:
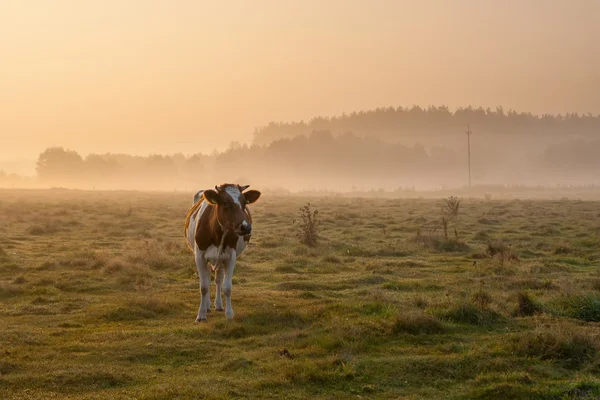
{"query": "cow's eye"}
pixel 227 204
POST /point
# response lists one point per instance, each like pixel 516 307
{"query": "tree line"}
pixel 324 161
pixel 397 123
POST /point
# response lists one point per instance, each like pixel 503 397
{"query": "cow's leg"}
pixel 204 276
pixel 219 275
pixel 227 285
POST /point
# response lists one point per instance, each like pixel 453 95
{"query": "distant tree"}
pixel 57 164
pixel 100 168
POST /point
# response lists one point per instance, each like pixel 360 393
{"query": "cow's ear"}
pixel 251 196
pixel 211 197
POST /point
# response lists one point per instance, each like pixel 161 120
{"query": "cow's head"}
pixel 230 202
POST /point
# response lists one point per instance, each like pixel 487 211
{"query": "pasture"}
pixel 99 293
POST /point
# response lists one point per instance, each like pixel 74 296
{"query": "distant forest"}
pixel 381 149
pixel 395 124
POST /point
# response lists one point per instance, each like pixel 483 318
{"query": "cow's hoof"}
pixel 229 315
pixel 219 309
pixel 200 320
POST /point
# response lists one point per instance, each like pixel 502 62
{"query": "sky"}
pixel 159 76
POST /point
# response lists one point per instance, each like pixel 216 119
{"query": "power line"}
pixel 469 150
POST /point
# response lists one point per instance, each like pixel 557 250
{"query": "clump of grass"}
pixel 481 299
pixel 308 295
pixel 46 266
pixel 453 245
pixel 270 243
pixel 417 323
pixel 467 312
pixel 584 307
pixel 420 301
pixel 526 305
pixel 42 229
pixel 309 225
pixel 572 349
pixel 287 269
pixel 142 308
pixel 500 250
pixel 156 254
pixel 482 235
pixel 332 259
pixel 584 390
pixel 130 276
pixel 437 243
pixel 90 259
pixel 7 291
pixel 563 249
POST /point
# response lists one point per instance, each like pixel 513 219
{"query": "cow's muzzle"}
pixel 245 229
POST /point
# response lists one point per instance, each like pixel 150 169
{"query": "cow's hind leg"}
pixel 204 277
pixel 219 275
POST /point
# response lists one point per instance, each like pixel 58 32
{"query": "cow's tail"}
pixel 188 218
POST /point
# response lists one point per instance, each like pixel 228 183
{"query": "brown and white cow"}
pixel 217 229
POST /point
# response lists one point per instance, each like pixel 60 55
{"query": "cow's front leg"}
pixel 227 285
pixel 204 277
pixel 219 275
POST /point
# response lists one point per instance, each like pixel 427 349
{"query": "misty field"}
pixel 99 294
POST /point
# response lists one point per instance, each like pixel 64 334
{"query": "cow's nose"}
pixel 246 228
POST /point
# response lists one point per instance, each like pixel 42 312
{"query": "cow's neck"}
pixel 219 233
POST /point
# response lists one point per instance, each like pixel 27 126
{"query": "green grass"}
pixel 98 297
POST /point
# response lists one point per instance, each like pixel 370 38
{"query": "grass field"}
pixel 98 297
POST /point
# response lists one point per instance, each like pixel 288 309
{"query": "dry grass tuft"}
pixel 417 323
pixel 560 344
pixel 309 226
pixel 526 305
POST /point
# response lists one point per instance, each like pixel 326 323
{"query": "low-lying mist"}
pixel 400 150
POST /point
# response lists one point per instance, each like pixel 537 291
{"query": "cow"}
pixel 217 229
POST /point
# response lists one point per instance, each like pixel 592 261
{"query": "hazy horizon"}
pixel 145 77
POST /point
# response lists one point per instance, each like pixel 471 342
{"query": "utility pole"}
pixel 469 150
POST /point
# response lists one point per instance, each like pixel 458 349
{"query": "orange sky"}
pixel 145 76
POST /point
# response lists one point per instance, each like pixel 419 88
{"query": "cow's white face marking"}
pixel 245 223
pixel 235 194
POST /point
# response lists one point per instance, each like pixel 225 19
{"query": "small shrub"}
pixel 417 323
pixel 309 225
pixel 451 207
